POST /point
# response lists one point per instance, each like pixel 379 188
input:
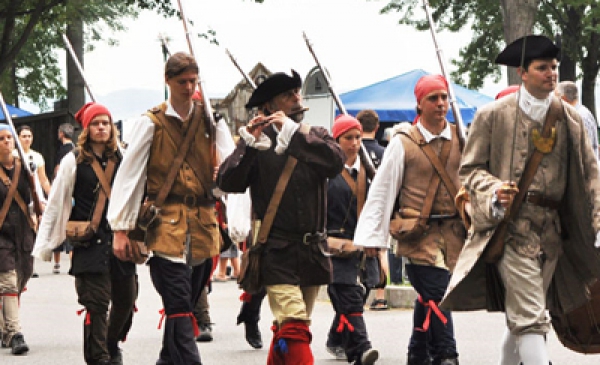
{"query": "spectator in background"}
pixel 31 156
pixel 567 90
pixel 370 124
pixel 36 164
pixel 65 136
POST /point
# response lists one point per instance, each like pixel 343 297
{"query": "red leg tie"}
pixel 246 297
pixel 344 323
pixel 431 306
pixel 191 316
pixel 88 319
pixel 162 318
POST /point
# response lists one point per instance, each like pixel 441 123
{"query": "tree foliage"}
pixel 578 21
pixel 31 37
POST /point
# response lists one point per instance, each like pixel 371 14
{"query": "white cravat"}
pixel 535 108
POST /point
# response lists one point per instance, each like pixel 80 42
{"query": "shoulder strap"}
pixel 361 191
pixel 104 176
pixel 543 143
pixel 181 154
pixel 434 183
pixel 12 189
pixel 104 193
pixel 284 178
pixel 440 166
pixel 177 137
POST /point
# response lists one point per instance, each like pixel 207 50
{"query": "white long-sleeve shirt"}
pixel 52 230
pixel 373 225
pixel 125 201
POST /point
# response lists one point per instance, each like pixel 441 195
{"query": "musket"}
pixel 458 122
pixel 37 205
pixel 205 99
pixel 163 42
pixel 363 154
pixel 245 75
pixel 78 65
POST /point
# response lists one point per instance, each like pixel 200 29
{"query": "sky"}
pixel 353 41
pixel 358 46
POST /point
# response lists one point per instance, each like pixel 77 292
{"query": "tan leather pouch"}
pixel 406 229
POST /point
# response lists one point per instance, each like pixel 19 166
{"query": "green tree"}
pixel 31 37
pixel 496 23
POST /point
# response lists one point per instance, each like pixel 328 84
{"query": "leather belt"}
pixel 306 238
pixel 540 200
pixel 190 201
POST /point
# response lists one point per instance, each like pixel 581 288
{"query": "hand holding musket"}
pixel 506 194
pixel 37 204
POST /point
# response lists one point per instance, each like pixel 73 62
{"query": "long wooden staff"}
pixel 453 100
pixel 78 65
pixel 363 154
pixel 205 99
pixel 244 74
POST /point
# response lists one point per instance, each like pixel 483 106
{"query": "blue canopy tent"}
pixel 14 112
pixel 394 99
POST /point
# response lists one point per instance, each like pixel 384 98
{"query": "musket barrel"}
pixel 458 121
pixel 244 74
pixel 205 99
pixel 363 154
pixel 78 65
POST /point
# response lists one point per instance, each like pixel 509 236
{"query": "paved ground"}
pixel 53 329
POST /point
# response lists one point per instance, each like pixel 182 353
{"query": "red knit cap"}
pixel 509 90
pixel 343 123
pixel 89 111
pixel 428 84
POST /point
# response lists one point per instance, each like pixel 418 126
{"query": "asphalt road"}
pixel 53 330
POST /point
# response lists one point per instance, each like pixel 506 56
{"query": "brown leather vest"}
pixel 444 239
pixel 164 149
pixel 419 171
pixel 178 220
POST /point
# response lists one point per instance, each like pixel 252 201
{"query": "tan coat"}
pixel 568 172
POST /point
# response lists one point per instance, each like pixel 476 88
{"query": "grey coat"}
pixel 485 163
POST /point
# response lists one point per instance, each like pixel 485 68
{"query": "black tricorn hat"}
pixel 272 86
pixel 536 47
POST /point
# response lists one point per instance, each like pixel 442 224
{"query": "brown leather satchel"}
pixel 495 247
pixel 249 279
pixel 80 233
pixel 411 228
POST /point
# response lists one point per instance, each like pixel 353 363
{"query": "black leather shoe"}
pixel 414 360
pixel 18 345
pixel 116 359
pixel 449 361
pixel 253 336
pixel 205 333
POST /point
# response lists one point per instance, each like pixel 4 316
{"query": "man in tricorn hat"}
pixel 293 263
pixel 562 195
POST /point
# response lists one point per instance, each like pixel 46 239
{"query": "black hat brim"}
pixel 536 47
pixel 273 86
